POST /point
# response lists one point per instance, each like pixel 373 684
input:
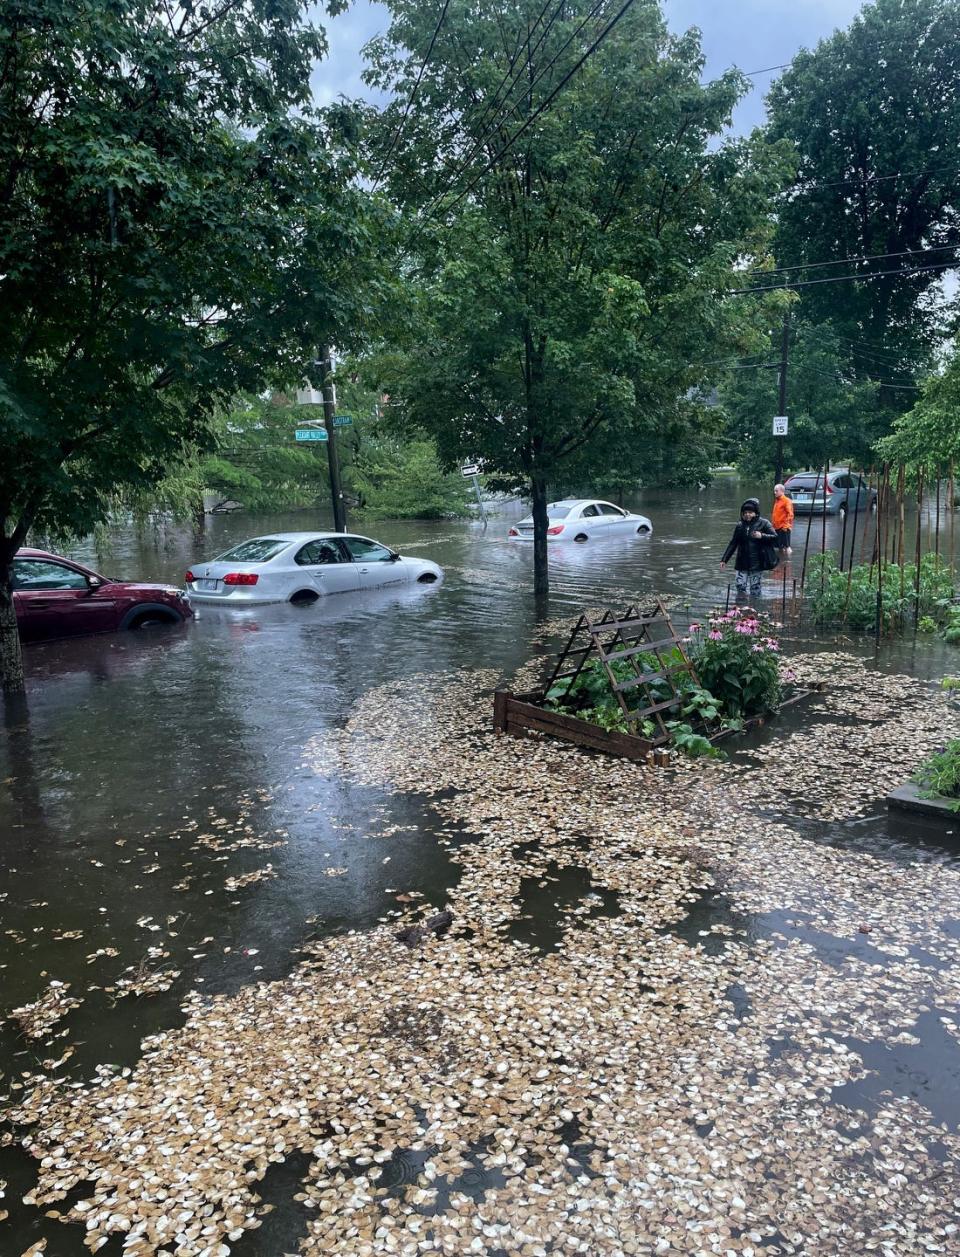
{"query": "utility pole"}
pixel 324 366
pixel 782 401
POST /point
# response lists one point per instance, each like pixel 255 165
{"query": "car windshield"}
pixel 259 550
pixel 804 482
pixel 559 508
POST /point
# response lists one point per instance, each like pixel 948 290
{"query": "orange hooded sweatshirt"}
pixel 782 514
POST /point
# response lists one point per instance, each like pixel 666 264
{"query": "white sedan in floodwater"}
pixel 301 567
pixel 584 519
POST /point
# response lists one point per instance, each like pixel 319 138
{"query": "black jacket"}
pixel 752 555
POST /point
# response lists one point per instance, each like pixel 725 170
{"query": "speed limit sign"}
pixel 779 425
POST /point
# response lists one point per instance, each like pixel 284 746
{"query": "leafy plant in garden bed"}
pixel 737 657
pixel 737 660
pixel 850 598
pixel 939 776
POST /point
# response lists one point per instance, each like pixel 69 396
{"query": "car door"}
pixel 327 566
pixel 614 520
pixel 590 515
pixel 53 599
pixel 376 565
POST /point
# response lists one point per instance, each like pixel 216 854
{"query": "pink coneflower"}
pixel 715 636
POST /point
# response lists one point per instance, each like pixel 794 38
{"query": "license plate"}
pixel 801 497
pixel 207 585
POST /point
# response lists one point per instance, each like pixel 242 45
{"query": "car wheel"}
pixel 842 509
pixel 303 597
pixel 643 530
pixel 581 536
pixel 150 619
pixel 427 578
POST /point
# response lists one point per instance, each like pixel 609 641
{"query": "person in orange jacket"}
pixel 782 518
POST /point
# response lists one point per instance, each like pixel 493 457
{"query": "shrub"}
pixel 939 776
pixel 850 598
pixel 737 658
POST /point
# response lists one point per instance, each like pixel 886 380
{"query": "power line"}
pixel 478 143
pixel 837 279
pixel 900 174
pixel 412 96
pixel 865 257
pixel 544 104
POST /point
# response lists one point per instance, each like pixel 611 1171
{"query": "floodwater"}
pixel 139 761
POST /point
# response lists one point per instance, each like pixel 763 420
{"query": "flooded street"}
pixel 188 811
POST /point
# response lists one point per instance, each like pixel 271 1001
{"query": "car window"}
pixel 258 550
pixel 30 574
pixel 589 512
pixel 323 550
pixel 607 509
pixel 802 483
pixel 366 551
pixel 843 482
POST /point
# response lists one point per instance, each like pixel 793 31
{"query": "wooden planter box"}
pixel 520 714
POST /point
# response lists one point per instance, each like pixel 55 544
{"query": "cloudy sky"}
pixel 751 34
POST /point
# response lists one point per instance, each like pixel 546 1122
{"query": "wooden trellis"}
pixel 630 638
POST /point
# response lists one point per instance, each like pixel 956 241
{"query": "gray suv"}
pixel 846 491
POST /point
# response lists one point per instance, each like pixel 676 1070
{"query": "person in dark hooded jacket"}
pixel 754 540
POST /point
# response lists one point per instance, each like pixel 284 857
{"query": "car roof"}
pixel 28 552
pixel 818 471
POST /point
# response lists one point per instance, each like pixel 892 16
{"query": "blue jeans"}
pixel 751 581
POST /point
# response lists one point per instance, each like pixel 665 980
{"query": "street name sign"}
pixel 780 425
pixel 342 421
pixel 311 434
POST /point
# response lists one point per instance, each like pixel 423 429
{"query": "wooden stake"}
pixel 916 585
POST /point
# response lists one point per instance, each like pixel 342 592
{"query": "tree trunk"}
pixel 199 514
pixel 11 660
pixel 541 574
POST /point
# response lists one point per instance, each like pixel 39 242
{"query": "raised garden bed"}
pixel 523 714
pixel 625 684
pixel 907 798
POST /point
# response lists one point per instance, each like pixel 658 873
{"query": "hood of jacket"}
pixel 751 504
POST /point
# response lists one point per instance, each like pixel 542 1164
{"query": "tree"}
pixel 832 411
pixel 175 222
pixel 928 435
pixel 874 115
pixel 573 229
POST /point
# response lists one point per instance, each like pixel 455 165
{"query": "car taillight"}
pixel 241 578
pixel 189 578
pixel 555 531
pixel 827 488
pixel 513 533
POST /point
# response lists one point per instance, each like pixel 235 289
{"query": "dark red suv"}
pixel 56 597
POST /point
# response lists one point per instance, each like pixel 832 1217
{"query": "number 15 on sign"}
pixel 780 425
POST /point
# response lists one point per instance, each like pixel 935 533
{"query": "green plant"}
pixel 927 624
pixel 950 683
pixel 738 660
pixel 852 598
pixel 690 743
pixel 939 776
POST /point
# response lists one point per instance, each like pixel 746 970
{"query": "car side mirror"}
pixel 94 582
pixel 394 555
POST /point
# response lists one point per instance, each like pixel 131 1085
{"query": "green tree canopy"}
pixel 574 229
pixel 874 115
pixel 928 435
pixel 175 224
pixel 832 410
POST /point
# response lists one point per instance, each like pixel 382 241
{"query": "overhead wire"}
pixel 412 96
pixel 864 257
pixel 837 279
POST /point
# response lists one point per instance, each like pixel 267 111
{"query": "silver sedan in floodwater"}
pixel 584 519
pixel 301 567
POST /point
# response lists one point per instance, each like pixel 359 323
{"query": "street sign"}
pixel 311 434
pixel 469 469
pixel 342 421
pixel 780 425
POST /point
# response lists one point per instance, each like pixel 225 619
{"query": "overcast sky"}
pixel 750 34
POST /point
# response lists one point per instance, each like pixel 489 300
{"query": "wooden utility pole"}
pixel 782 399
pixel 325 368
